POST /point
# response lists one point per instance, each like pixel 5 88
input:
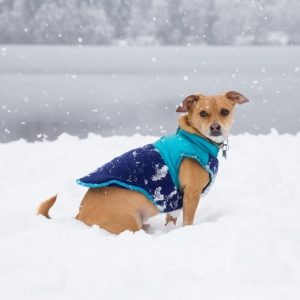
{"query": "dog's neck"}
pixel 185 124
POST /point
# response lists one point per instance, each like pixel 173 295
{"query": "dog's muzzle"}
pixel 215 130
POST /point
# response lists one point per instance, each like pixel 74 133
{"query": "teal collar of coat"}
pixel 200 142
pixel 174 148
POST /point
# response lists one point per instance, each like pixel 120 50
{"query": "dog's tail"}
pixel 45 207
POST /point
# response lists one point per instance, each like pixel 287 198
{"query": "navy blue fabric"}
pixel 143 170
pixel 213 164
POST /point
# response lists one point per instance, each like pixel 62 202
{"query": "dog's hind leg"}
pixel 45 207
pixel 131 223
pixel 115 209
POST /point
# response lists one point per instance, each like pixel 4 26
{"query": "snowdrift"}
pixel 245 243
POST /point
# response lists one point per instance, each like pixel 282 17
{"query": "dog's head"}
pixel 212 116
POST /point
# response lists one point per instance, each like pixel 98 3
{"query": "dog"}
pixel 166 176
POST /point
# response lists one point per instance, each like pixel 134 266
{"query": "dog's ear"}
pixel 236 97
pixel 187 103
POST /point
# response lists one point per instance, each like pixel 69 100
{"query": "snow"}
pixel 160 173
pixel 245 243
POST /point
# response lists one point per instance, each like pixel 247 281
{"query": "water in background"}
pixel 48 90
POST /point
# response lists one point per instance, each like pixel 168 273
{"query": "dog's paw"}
pixel 170 218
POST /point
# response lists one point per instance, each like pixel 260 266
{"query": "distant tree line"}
pixel 150 22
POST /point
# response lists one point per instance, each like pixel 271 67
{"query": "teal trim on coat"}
pixel 118 183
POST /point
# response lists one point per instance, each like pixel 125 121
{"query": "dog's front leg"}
pixel 193 179
pixel 191 199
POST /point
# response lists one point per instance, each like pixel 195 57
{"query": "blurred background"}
pixel 121 67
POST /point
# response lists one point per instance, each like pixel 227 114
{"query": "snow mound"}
pixel 245 243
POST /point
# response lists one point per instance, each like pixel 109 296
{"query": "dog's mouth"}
pixel 217 139
pixel 217 136
pixel 215 133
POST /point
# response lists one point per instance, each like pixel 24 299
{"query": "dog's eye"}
pixel 224 112
pixel 203 114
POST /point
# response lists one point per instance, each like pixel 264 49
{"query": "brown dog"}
pixel 117 209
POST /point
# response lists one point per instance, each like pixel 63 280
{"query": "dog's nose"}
pixel 215 129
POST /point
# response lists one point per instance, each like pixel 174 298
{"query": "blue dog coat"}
pixel 154 169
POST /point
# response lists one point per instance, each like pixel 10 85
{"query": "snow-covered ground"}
pixel 245 243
